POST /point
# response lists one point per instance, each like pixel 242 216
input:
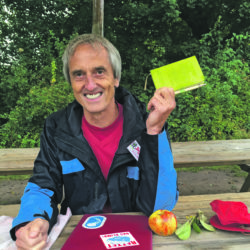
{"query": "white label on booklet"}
pixel 118 240
pixel 94 222
pixel 134 148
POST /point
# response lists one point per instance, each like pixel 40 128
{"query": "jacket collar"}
pixel 133 109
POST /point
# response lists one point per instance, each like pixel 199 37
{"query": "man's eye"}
pixel 78 74
pixel 100 72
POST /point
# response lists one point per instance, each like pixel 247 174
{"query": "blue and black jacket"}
pixel 66 162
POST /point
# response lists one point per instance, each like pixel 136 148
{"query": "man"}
pixel 104 149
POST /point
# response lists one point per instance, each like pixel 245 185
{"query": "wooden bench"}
pixel 186 154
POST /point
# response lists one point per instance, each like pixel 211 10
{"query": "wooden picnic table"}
pixel 187 205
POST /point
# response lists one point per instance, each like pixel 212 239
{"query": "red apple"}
pixel 162 222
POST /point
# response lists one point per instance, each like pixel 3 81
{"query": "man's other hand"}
pixel 33 235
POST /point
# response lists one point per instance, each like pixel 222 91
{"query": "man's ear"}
pixel 117 82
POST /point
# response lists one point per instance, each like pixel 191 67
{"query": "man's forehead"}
pixel 95 47
pixel 98 52
pixel 88 57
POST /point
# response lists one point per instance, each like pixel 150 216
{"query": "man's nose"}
pixel 90 83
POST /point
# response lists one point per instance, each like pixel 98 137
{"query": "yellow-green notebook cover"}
pixel 182 76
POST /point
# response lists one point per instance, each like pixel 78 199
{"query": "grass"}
pixel 14 177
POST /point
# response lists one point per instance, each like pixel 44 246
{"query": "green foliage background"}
pixel 148 34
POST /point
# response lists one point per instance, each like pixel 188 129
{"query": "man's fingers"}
pixel 152 104
pixel 33 235
pixel 38 226
pixel 163 99
pixel 165 92
pixel 164 95
pixel 40 245
pixel 34 232
pixel 160 106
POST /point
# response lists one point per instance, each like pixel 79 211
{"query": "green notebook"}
pixel 182 76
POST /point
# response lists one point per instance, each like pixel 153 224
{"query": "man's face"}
pixel 92 79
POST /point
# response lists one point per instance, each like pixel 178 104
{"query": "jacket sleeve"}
pixel 158 178
pixel 44 189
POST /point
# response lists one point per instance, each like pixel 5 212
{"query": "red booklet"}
pixel 110 231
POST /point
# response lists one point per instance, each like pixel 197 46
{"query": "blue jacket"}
pixel 66 160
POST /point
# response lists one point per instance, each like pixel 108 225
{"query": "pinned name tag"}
pixel 134 148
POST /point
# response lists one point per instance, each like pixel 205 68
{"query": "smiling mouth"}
pixel 93 96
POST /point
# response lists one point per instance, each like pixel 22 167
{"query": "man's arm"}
pixel 158 184
pixel 44 189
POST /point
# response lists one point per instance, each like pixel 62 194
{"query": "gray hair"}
pixel 95 41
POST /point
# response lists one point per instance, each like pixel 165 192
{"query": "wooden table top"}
pixel 188 205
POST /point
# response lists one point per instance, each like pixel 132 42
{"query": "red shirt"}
pixel 104 141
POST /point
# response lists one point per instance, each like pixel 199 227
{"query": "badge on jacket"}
pixel 134 148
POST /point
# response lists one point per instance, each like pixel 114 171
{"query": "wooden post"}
pixel 98 16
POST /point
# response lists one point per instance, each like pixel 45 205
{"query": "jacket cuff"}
pixel 35 203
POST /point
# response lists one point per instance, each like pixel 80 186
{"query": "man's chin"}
pixel 92 110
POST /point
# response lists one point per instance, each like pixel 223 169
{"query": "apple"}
pixel 162 222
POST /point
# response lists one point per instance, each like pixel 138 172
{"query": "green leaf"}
pixel 196 227
pixel 203 221
pixel 184 231
pixel 207 226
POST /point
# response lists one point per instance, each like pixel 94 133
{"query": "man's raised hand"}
pixel 160 106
